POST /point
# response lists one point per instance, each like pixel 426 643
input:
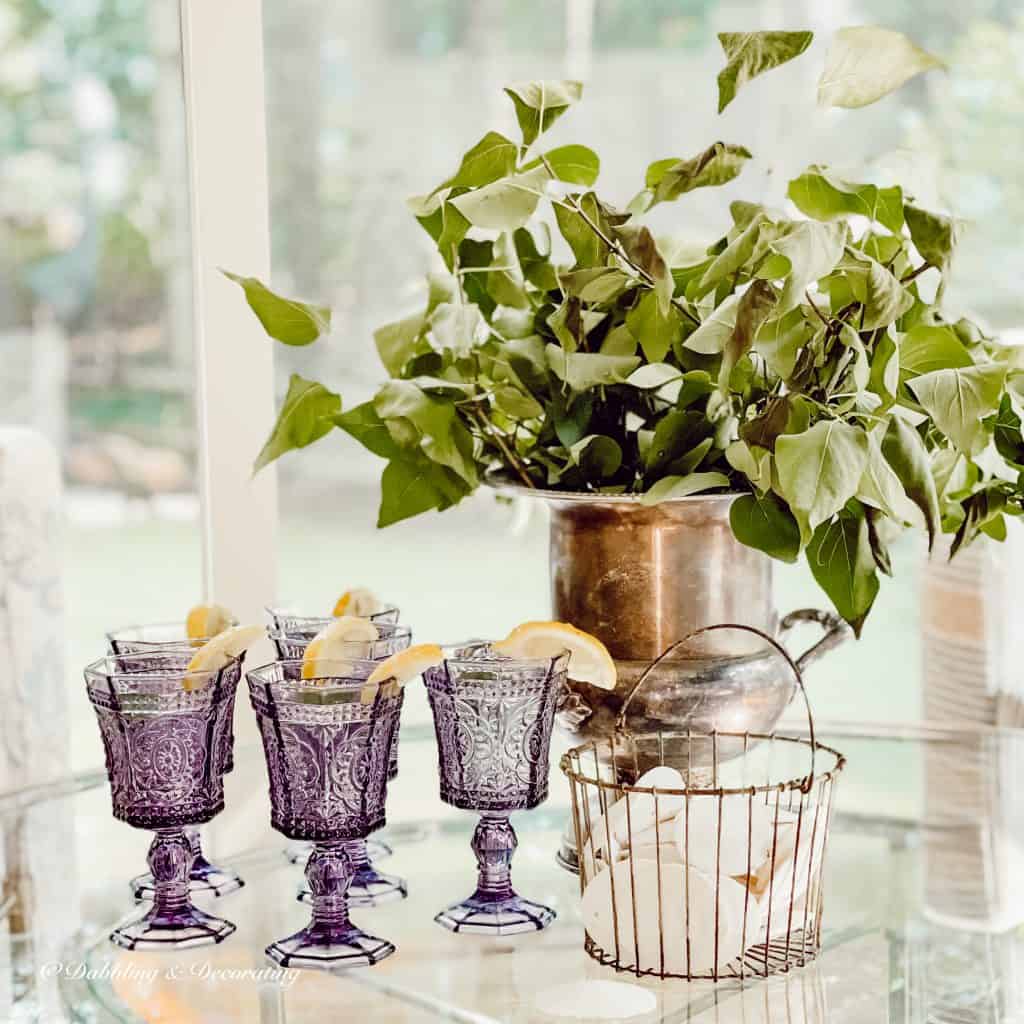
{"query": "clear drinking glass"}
pixel 206 877
pixel 164 747
pixel 493 717
pixel 369 886
pixel 327 743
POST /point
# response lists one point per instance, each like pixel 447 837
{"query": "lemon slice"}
pixel 589 660
pixel 357 601
pixel 207 620
pixel 329 643
pixel 219 650
pixel 406 665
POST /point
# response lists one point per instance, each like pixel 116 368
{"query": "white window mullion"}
pixel 222 48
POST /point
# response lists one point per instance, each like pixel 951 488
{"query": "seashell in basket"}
pixel 674 909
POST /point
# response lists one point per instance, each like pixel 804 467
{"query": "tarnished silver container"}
pixel 642 577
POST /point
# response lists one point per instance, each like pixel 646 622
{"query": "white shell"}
pixel 685 895
pixel 746 825
pixel 635 812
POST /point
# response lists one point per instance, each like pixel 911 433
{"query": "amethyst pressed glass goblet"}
pixel 163 732
pixel 493 717
pixel 326 741
pixel 369 886
pixel 205 877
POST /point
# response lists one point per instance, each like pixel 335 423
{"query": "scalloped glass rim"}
pixel 108 668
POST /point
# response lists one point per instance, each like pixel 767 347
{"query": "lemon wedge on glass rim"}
pixel 219 650
pixel 207 620
pixel 589 660
pixel 357 601
pixel 329 644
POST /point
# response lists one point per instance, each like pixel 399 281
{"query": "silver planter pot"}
pixel 641 578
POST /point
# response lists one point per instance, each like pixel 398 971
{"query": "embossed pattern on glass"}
pixel 327 752
pixel 164 750
pixel 369 886
pixel 204 877
pixel 289 620
pixel 493 717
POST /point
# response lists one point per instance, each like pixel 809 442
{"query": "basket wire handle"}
pixel 620 721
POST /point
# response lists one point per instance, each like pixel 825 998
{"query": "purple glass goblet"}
pixel 493 717
pixel 206 878
pixel 163 732
pixel 369 886
pixel 326 741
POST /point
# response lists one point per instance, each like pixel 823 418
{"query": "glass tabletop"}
pixel 922 906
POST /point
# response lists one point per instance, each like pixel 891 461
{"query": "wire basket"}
pixel 712 872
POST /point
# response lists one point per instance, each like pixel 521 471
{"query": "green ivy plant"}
pixel 796 363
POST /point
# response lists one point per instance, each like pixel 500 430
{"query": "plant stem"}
pixel 915 273
pixel 821 316
pixel 512 459
pixel 618 248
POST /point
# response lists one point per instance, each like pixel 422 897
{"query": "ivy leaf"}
pixel 597 455
pixel 981 510
pixel 596 285
pixel 398 342
pixel 578 165
pixel 458 327
pixel 764 522
pixel 285 320
pixel 841 560
pixel 503 205
pixel 866 63
pixel 711 337
pixel 587 245
pixel 905 452
pixel 781 339
pixel 670 487
pixel 824 196
pixel 812 250
pixel 363 423
pixel 750 54
pixel 676 432
pixel 440 433
pixel 306 416
pixel 584 370
pixel 884 379
pixel 934 235
pixel 656 331
pixel 653 375
pixel 926 347
pixel 413 484
pixel 535 265
pixel 517 404
pixel 641 248
pixel 819 470
pixel 880 487
pixel 754 463
pixel 959 399
pixel 754 307
pixel 735 255
pixel 493 157
pixel 764 430
pixel 1006 433
pixel 885 299
pixel 539 104
pixel 571 421
pixel 716 165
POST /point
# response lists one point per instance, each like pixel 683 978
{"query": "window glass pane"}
pixel 95 308
pixel 368 104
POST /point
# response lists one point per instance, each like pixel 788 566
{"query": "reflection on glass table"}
pixel 922 903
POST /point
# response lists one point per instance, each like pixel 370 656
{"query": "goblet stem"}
pixel 494 843
pixel 172 921
pixel 495 908
pixel 330 940
pixel 204 877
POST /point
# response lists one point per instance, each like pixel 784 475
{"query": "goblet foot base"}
pixel 205 879
pixel 377 849
pixel 326 948
pixel 483 915
pixel 368 888
pixel 181 929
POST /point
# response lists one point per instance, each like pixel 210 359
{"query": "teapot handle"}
pixel 836 632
